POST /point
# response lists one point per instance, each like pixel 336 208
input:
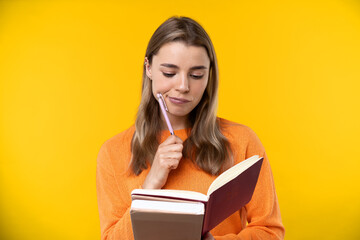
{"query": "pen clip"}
pixel 161 98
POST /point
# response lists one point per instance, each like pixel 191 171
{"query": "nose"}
pixel 183 83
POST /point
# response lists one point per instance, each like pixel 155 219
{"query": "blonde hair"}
pixel 206 145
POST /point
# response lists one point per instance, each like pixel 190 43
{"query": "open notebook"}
pixel 177 214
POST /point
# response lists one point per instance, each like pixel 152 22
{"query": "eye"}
pixel 197 76
pixel 169 75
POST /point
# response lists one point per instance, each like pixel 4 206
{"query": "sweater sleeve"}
pixel 114 213
pixel 263 212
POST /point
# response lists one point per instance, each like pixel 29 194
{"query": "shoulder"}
pixel 241 136
pixel 235 130
pixel 117 147
pixel 120 140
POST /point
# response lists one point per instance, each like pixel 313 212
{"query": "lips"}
pixel 178 100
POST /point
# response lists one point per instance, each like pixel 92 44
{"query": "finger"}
pixel 177 139
pixel 171 148
pixel 208 236
pixel 170 156
pixel 171 140
pixel 173 164
pixel 169 163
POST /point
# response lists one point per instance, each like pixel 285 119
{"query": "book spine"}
pixel 206 221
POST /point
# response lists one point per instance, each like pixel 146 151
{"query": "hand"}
pixel 167 158
pixel 208 236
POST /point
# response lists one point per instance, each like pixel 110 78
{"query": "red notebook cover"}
pixel 231 197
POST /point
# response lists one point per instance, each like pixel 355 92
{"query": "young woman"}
pixel 180 63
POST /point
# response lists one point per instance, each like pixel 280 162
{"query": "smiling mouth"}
pixel 178 100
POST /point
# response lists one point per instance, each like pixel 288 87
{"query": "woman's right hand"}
pixel 167 158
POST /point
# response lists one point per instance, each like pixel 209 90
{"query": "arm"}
pixel 113 202
pixel 263 213
pixel 114 213
pixel 167 158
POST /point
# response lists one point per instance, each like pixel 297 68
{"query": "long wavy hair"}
pixel 206 146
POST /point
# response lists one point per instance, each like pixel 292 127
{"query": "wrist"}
pixel 151 184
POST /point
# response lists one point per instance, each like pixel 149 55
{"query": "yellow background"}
pixel 70 74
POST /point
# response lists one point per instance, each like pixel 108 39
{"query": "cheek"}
pixel 159 84
pixel 199 89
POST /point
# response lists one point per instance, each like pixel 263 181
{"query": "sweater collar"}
pixel 181 133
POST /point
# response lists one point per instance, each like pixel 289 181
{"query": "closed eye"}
pixel 197 76
pixel 169 75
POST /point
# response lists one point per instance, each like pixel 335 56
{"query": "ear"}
pixel 148 68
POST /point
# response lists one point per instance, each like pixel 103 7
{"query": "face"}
pixel 180 73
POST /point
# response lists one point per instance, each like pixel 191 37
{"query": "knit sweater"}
pixel 259 219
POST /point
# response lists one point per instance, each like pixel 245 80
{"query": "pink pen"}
pixel 163 110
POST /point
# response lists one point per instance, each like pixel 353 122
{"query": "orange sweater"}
pixel 115 182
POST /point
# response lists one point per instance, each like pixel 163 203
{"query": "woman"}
pixel 180 63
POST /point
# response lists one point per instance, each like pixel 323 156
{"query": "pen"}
pixel 163 110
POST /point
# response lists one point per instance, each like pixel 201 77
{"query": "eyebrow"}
pixel 169 65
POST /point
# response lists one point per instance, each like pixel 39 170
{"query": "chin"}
pixel 179 114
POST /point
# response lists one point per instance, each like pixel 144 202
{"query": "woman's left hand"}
pixel 208 236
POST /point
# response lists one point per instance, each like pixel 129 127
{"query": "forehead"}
pixel 182 55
